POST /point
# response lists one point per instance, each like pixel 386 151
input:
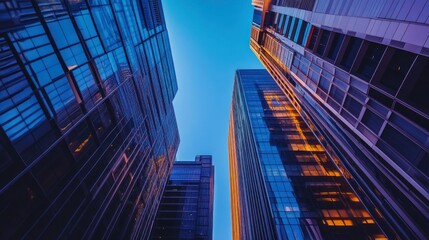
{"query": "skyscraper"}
pixel 357 70
pixel 186 209
pixel 88 133
pixel 284 184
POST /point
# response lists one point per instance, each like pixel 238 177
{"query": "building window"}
pixel 372 121
pixel 419 92
pixel 101 120
pixel 335 46
pixel 313 38
pixel 324 84
pixel 397 69
pixel 306 34
pixel 380 97
pixel 353 106
pixel 323 42
pixel 412 115
pixel 257 17
pixel 337 94
pixel 297 31
pixel 351 52
pixel 401 144
pixel 370 60
pixel 302 31
pixel 280 23
pixel 80 141
pixel 273 19
pixel 64 102
pixel 290 28
pixel 286 25
pixel 408 127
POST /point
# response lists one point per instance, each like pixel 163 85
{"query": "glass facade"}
pixel 88 133
pixel 276 157
pixel 356 76
pixel 186 209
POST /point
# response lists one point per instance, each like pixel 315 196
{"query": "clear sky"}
pixel 209 41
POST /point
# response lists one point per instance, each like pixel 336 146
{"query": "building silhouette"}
pixel 186 209
pixel 88 133
pixel 357 71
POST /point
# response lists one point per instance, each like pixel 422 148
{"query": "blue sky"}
pixel 209 41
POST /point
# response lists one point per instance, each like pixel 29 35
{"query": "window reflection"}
pixel 106 26
pixel 304 185
pixel 101 120
pixel 63 101
pixel 107 75
pixel 80 141
pixel 87 86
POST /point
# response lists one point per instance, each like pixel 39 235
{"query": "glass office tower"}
pixel 358 71
pixel 88 133
pixel 186 209
pixel 284 184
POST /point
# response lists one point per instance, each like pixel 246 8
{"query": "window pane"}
pixel 86 83
pixel 401 144
pixel 335 46
pixel 313 38
pixel 80 141
pixel 419 93
pixel 101 120
pixel 257 17
pixel 64 103
pixel 369 63
pixel 372 121
pixel 323 42
pixel 337 94
pixel 353 106
pixel 351 52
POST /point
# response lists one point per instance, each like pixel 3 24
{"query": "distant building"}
pixel 88 133
pixel 186 209
pixel 284 184
pixel 358 71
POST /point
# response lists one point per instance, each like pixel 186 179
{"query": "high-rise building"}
pixel 284 183
pixel 186 209
pixel 88 133
pixel 358 72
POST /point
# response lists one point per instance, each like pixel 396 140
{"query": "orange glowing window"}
pixel 348 222
pixel 380 237
pixel 329 199
pixel 368 221
pixel 343 213
pixel 365 213
pixel 329 222
pixel 353 198
pixel 82 145
pixel 333 173
pixel 334 213
pixel 338 223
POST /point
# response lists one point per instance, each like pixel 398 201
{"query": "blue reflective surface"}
pixel 87 126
